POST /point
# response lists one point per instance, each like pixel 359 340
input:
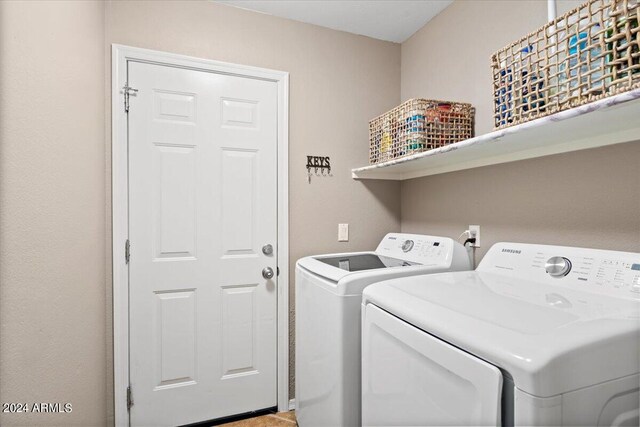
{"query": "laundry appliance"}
pixel 537 335
pixel 328 299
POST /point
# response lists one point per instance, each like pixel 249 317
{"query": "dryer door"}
pixel 411 378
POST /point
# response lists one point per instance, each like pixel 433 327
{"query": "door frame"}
pixel 120 55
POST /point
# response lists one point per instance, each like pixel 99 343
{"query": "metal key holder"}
pixel 320 165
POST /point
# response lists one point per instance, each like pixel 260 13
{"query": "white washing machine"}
pixel 328 297
pixel 537 335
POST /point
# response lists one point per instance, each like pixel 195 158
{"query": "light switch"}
pixel 343 232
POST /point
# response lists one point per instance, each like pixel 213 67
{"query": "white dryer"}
pixel 328 297
pixel 537 335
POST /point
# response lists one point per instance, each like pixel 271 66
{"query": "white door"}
pixel 202 198
pixel 411 378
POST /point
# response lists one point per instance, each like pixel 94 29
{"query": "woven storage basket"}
pixel 589 53
pixel 418 125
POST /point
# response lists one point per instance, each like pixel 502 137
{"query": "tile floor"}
pixel 280 419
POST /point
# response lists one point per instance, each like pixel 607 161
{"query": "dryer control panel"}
pixel 607 272
pixel 417 248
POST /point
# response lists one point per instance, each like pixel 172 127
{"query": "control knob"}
pixel 407 245
pixel 558 266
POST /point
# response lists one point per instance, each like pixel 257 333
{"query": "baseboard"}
pixel 292 404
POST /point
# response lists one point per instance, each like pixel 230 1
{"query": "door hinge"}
pixel 129 398
pixel 127 251
pixel 128 91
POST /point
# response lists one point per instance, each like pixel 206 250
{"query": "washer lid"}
pixel 363 262
pixel 329 266
pixel 551 339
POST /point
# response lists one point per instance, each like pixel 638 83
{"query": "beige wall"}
pixel 338 81
pixel 52 198
pixel 589 198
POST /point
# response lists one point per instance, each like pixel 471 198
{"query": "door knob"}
pixel 267 249
pixel 267 273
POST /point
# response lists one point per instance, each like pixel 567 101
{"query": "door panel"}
pixel 176 328
pixel 410 378
pixel 239 197
pixel 175 214
pixel 202 186
pixel 238 330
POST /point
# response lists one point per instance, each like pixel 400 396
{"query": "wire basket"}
pixel 418 125
pixel 587 54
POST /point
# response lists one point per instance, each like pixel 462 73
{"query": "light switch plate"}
pixel 343 232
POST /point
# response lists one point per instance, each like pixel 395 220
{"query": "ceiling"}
pixel 393 21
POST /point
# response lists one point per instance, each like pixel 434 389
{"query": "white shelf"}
pixel 608 121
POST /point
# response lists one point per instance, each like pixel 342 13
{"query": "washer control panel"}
pixel 416 248
pixel 608 272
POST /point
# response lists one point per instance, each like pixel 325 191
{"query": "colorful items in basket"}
pixel 419 127
pixel 415 132
pixel 532 82
pixel 504 96
pixel 444 114
pixel 585 72
pixel 531 87
pixel 387 140
pixel 622 57
pixel 375 136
